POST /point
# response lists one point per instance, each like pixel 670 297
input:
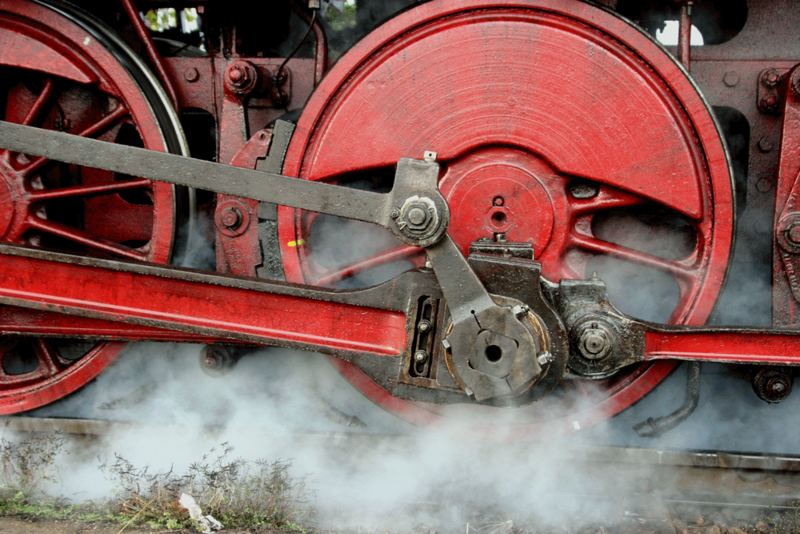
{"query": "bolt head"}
pixel 788 232
pixel 777 388
pixel 420 356
pixel 773 385
pixel 213 357
pixel 544 358
pixel 417 216
pixel 793 234
pixel 417 219
pixel 731 79
pixel 424 326
pixel 771 78
pixel 765 144
pixel 241 77
pixel 231 218
pixel 595 342
pixel 191 75
pixel 236 73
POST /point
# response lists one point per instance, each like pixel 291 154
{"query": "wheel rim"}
pixel 67 72
pixel 491 94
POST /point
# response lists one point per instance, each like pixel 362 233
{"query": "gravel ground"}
pixel 10 525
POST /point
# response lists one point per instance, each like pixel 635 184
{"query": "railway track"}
pixel 655 479
pixel 721 460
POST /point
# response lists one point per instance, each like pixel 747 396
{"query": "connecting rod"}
pixel 494 346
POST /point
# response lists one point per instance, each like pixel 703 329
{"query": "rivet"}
pixel 793 234
pixel 731 79
pixel 191 75
pixel 770 77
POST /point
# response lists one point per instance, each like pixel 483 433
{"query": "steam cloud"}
pixel 366 468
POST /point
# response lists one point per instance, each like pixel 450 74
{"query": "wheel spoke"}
pixel 599 246
pixel 387 256
pixel 98 128
pixel 40 104
pixel 47 365
pixel 88 190
pixel 47 358
pixel 606 198
pixel 81 237
pixel 4 376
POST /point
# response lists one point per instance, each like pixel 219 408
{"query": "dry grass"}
pixel 25 465
pixel 259 496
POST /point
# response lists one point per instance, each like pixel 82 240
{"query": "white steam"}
pixel 366 468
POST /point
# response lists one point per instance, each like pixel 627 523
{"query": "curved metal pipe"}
pixel 651 428
pixel 321 53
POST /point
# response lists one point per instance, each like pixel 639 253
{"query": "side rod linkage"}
pixel 322 197
pixel 414 211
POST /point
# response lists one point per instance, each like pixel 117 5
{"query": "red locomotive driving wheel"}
pixel 556 123
pixel 62 70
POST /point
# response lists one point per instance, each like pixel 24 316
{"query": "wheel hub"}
pixel 502 191
pixel 14 202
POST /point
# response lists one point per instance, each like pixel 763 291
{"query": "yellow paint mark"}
pixel 298 243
